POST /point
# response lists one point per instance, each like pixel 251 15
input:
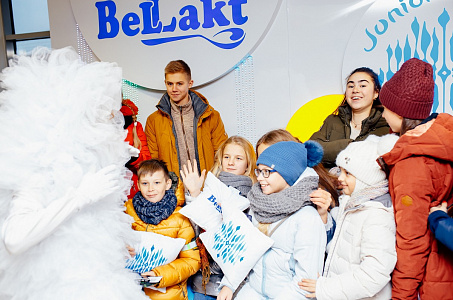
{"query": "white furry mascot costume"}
pixel 63 180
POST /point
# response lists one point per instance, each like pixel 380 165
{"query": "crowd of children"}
pixel 377 226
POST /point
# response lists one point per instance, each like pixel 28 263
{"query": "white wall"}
pixel 299 59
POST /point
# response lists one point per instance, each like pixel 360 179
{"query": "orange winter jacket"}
pixel 175 274
pixel 162 143
pixel 421 176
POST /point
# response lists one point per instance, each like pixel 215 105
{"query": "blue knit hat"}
pixel 290 159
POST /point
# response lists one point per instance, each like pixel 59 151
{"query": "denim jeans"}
pixel 199 296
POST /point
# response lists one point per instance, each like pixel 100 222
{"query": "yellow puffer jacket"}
pixel 160 134
pixel 175 274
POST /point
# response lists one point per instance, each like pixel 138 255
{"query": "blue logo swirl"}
pixel 237 36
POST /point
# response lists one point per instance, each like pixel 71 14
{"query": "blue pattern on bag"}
pixel 146 260
pixel 229 243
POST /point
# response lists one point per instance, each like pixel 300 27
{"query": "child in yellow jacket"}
pixel 154 210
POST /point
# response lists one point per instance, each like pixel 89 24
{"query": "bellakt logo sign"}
pixel 153 25
pixel 392 32
pixel 143 36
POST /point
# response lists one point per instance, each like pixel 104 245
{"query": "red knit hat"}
pixel 128 108
pixel 410 92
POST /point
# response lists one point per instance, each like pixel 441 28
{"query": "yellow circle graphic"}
pixel 309 118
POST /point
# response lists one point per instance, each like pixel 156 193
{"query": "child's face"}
pixel 153 186
pixel 234 159
pixel 395 121
pixel 273 184
pixel 347 182
pixel 178 85
pixel 360 91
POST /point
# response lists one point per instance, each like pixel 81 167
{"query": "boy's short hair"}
pixel 151 166
pixel 178 66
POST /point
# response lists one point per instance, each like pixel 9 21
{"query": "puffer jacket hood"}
pixel 433 138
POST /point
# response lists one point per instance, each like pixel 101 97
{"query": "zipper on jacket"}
pixel 326 271
pixel 263 279
pixel 184 134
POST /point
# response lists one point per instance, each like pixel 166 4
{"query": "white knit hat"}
pixel 359 159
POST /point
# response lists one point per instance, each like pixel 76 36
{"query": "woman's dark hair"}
pixel 408 124
pixel 376 82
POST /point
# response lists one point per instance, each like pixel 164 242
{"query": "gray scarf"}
pixel 274 207
pixel 369 193
pixel 240 182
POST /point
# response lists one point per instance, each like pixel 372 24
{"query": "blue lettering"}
pixel 211 13
pixel 170 27
pixel 216 205
pixel 148 21
pixel 238 19
pixel 404 6
pixel 373 40
pixel 385 24
pixel 412 4
pixel 151 21
pixel 106 15
pixel 129 20
pixel 191 20
pixel 396 11
pixel 391 17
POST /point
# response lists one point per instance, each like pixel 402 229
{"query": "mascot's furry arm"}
pixel 29 222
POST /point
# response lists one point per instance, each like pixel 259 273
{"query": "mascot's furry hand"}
pixel 95 186
pixel 134 152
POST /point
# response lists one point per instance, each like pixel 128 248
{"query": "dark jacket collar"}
pixel 374 120
pixel 199 103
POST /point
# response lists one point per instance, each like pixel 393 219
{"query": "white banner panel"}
pixel 143 36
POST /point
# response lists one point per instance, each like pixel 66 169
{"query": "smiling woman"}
pixel 358 116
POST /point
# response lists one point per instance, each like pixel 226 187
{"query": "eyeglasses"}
pixel 266 173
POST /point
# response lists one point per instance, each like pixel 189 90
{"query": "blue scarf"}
pixel 154 213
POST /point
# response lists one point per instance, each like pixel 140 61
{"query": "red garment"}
pixel 144 154
pixel 421 176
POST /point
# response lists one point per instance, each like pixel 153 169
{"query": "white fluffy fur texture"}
pixel 59 118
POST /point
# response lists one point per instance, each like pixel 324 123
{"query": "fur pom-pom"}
pixel 315 152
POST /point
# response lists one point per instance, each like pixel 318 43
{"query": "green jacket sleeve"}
pixel 332 137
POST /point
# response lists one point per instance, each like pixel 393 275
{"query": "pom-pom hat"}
pixel 290 159
pixel 128 108
pixel 359 159
pixel 410 92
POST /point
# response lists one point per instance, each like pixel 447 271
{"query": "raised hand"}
pixel 191 179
